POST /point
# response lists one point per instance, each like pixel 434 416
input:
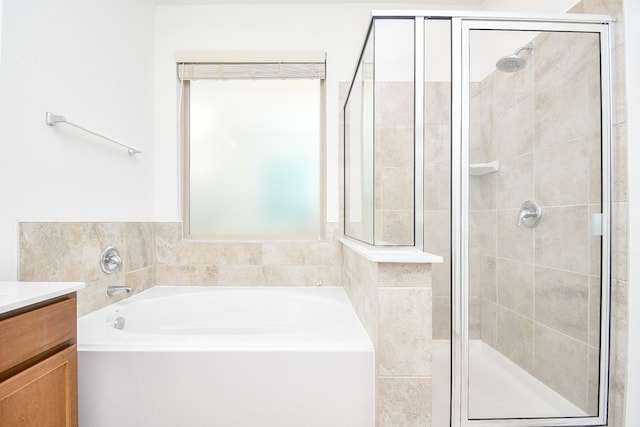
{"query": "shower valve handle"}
pixel 110 260
pixel 525 213
pixel 530 214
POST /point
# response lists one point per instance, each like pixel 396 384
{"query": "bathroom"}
pixel 72 195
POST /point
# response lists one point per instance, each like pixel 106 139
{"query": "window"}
pixel 253 143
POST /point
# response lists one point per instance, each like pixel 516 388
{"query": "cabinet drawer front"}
pixel 45 395
pixel 28 334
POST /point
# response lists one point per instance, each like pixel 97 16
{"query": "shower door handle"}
pixel 530 214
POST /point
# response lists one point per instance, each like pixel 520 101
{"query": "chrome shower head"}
pixel 513 63
pixel 510 64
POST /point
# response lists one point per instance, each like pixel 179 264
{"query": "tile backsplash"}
pixel 156 254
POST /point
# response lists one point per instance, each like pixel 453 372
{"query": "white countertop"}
pixel 14 295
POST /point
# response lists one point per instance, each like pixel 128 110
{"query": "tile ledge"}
pixel 391 254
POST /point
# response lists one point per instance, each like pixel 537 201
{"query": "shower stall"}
pixel 486 140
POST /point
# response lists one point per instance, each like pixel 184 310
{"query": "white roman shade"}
pixel 250 65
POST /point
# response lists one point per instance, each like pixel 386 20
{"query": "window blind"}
pixel 247 65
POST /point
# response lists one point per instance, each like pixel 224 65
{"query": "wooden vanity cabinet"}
pixel 38 365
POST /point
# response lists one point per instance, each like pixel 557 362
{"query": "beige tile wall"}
pixel 155 254
pixel 284 263
pixel 394 303
pixel 65 251
pixel 619 246
pixel 394 163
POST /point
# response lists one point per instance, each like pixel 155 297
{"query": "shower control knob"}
pixel 530 214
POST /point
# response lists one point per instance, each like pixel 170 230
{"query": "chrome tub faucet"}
pixel 114 290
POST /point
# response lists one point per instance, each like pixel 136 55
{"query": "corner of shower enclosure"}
pixel 455 128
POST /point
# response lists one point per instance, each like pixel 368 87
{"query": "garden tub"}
pixel 226 356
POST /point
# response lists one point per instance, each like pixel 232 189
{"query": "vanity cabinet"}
pixel 38 365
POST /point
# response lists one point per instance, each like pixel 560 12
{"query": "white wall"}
pixel 91 61
pixel 632 45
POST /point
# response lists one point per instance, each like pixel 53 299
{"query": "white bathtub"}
pixel 226 357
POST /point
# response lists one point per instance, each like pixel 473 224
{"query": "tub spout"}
pixel 117 290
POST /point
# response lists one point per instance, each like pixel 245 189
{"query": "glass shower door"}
pixel 535 207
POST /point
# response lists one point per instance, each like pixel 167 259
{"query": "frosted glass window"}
pixel 254 157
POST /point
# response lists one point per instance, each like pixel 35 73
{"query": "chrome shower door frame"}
pixel 461 27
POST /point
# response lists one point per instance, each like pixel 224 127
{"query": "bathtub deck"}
pixel 196 318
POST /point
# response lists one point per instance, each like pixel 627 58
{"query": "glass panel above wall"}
pixel 379 138
pixel 437 204
pixel 394 132
pixel 358 150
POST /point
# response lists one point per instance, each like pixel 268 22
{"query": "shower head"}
pixel 510 64
pixel 513 63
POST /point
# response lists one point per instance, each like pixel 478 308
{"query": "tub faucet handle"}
pixel 110 260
